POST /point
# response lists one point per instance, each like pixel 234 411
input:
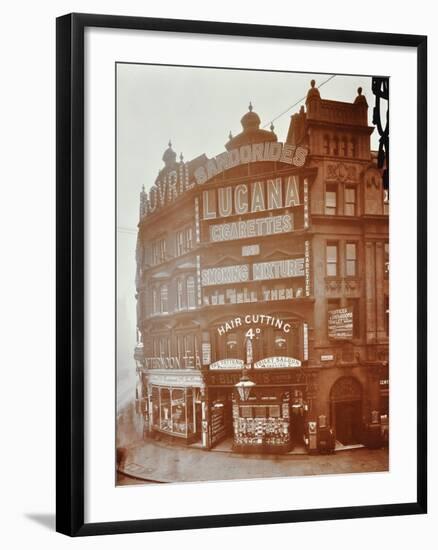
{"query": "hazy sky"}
pixel 195 108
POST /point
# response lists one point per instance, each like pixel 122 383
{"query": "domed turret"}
pixel 169 156
pixel 251 132
pixel 250 120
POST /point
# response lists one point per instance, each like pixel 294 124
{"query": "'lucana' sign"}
pixel 178 181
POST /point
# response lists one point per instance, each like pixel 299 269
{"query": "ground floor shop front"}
pixel 271 411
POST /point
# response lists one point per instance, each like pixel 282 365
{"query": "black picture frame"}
pixel 70 273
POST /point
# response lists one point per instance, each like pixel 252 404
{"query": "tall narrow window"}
pixel 350 201
pixel 189 238
pixel 335 146
pixel 330 200
pixel 164 299
pixel 179 294
pixel 155 301
pixel 179 243
pixel 353 148
pixel 351 260
pixel 191 297
pixel 332 259
pixel 326 145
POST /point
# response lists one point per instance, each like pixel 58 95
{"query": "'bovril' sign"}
pixel 177 182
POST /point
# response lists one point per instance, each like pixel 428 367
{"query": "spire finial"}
pixel 250 107
pixel 181 157
pixel 359 90
pixel 170 143
pixel 272 127
pixel 312 83
pixel 230 135
pixel 142 188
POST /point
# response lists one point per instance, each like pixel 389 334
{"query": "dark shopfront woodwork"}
pixel 289 378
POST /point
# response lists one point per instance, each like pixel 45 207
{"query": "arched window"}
pixel 335 146
pixel 191 297
pixel 179 294
pixel 164 299
pixel 326 145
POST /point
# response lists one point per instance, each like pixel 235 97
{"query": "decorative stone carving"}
pixel 346 388
pixel 341 172
pixel 333 285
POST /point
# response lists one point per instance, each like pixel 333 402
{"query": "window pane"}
pixel 351 251
pixel 191 292
pixel 350 194
pixel 331 270
pixel 332 252
pixel 351 268
pixel 349 209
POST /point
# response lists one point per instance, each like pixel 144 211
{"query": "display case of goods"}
pixel 260 427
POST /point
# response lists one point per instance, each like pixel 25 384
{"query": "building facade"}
pixel 262 288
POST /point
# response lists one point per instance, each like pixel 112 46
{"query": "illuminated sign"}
pixel 173 184
pixel 246 296
pixel 259 227
pixel 251 250
pixel 340 323
pixel 280 269
pixel 256 152
pixel 227 364
pixel 256 197
pixel 277 363
pixel 224 275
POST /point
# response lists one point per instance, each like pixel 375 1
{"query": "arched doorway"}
pixel 346 409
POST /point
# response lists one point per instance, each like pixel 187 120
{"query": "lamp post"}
pixel 245 385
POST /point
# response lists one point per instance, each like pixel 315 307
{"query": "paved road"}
pixel 156 461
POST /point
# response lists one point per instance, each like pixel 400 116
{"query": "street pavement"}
pixel 160 462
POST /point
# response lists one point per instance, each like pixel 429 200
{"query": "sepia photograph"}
pixel 252 274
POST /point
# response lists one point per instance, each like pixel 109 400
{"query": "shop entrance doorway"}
pixel 221 415
pixel 346 410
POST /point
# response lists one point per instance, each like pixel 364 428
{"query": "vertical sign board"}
pixel 340 323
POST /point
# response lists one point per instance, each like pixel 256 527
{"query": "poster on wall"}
pixel 238 194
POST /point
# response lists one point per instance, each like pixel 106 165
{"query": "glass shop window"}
pixel 332 259
pixel 350 260
pixel 350 201
pixel 330 200
pixel 179 412
pixel 259 412
pixel 165 410
pixel 155 407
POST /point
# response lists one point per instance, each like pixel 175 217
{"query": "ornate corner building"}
pixel 263 290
